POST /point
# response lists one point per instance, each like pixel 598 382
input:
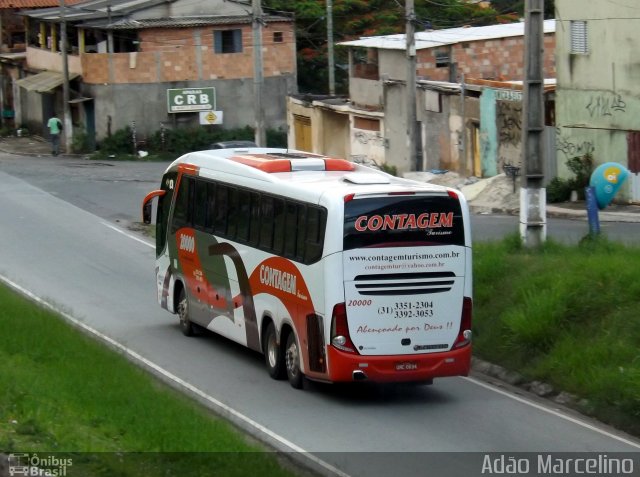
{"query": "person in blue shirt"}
pixel 55 128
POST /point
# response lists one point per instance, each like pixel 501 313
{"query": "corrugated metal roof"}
pixel 451 36
pixel 34 3
pixel 180 22
pixel 94 9
pixel 120 14
pixel 43 82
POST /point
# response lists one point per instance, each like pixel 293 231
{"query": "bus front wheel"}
pixel 292 360
pixel 186 326
pixel 273 353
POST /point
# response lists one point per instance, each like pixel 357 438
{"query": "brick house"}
pixel 12 49
pixel 123 57
pixel 468 100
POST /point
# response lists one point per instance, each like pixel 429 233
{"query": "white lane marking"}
pixel 552 412
pixel 126 234
pixel 167 374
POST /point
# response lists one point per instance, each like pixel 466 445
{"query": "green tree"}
pixel 355 18
pixel 517 6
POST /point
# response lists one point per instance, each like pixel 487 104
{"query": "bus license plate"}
pixel 407 366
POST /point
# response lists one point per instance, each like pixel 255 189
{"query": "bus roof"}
pixel 310 174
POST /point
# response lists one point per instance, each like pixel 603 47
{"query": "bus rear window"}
pixel 399 221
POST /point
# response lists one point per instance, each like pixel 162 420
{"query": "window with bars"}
pixel 443 58
pixel 228 41
pixel 579 43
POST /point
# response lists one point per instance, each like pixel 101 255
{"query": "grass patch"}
pixel 565 315
pixel 61 391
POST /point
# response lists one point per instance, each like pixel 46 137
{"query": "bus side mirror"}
pixel 147 205
pixel 146 213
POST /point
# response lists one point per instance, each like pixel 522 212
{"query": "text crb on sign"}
pixel 189 100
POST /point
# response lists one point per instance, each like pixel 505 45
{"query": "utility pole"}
pixel 533 213
pixel 332 66
pixel 109 31
pixel 68 125
pixel 411 85
pixel 258 79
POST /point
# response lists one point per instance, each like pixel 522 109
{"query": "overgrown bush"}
pixel 175 142
pixel 120 142
pixel 393 170
pixel 582 167
pixel 559 190
pixel 81 142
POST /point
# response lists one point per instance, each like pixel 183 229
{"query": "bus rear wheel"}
pixel 273 356
pixel 186 326
pixel 292 360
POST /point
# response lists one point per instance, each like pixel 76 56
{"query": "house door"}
pixel 475 149
pixel 633 162
pixel 302 128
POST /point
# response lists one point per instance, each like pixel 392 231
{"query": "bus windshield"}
pixel 405 220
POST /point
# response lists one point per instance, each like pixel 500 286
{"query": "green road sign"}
pixel 189 100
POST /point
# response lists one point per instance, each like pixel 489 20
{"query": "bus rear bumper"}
pixel 347 367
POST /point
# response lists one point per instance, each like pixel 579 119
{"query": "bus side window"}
pixel 211 203
pixel 183 211
pixel 244 215
pixel 266 223
pixel 232 213
pixel 316 221
pixel 200 205
pixel 278 226
pixel 254 226
pixel 220 217
pixel 291 227
pixel 303 212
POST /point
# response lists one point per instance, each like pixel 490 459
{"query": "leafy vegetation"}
pixel 565 315
pixel 171 143
pixel 355 18
pixel 61 391
pixel 560 189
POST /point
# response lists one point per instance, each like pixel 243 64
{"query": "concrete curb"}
pixel 560 212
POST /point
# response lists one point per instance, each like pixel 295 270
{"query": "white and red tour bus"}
pixel 335 271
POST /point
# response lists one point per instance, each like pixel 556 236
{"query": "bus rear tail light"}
pixel 464 335
pixel 340 329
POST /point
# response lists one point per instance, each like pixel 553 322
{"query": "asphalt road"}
pixel 63 237
pixel 114 191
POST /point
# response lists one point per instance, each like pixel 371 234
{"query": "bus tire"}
pixel 273 356
pixel 186 326
pixel 292 361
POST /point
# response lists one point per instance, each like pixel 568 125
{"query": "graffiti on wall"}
pixel 369 144
pixel 369 138
pixel 509 115
pixel 571 147
pixel 606 104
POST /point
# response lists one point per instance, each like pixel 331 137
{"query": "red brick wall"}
pixel 497 59
pixel 168 54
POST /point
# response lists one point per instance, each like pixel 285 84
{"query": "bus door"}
pixel 404 272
